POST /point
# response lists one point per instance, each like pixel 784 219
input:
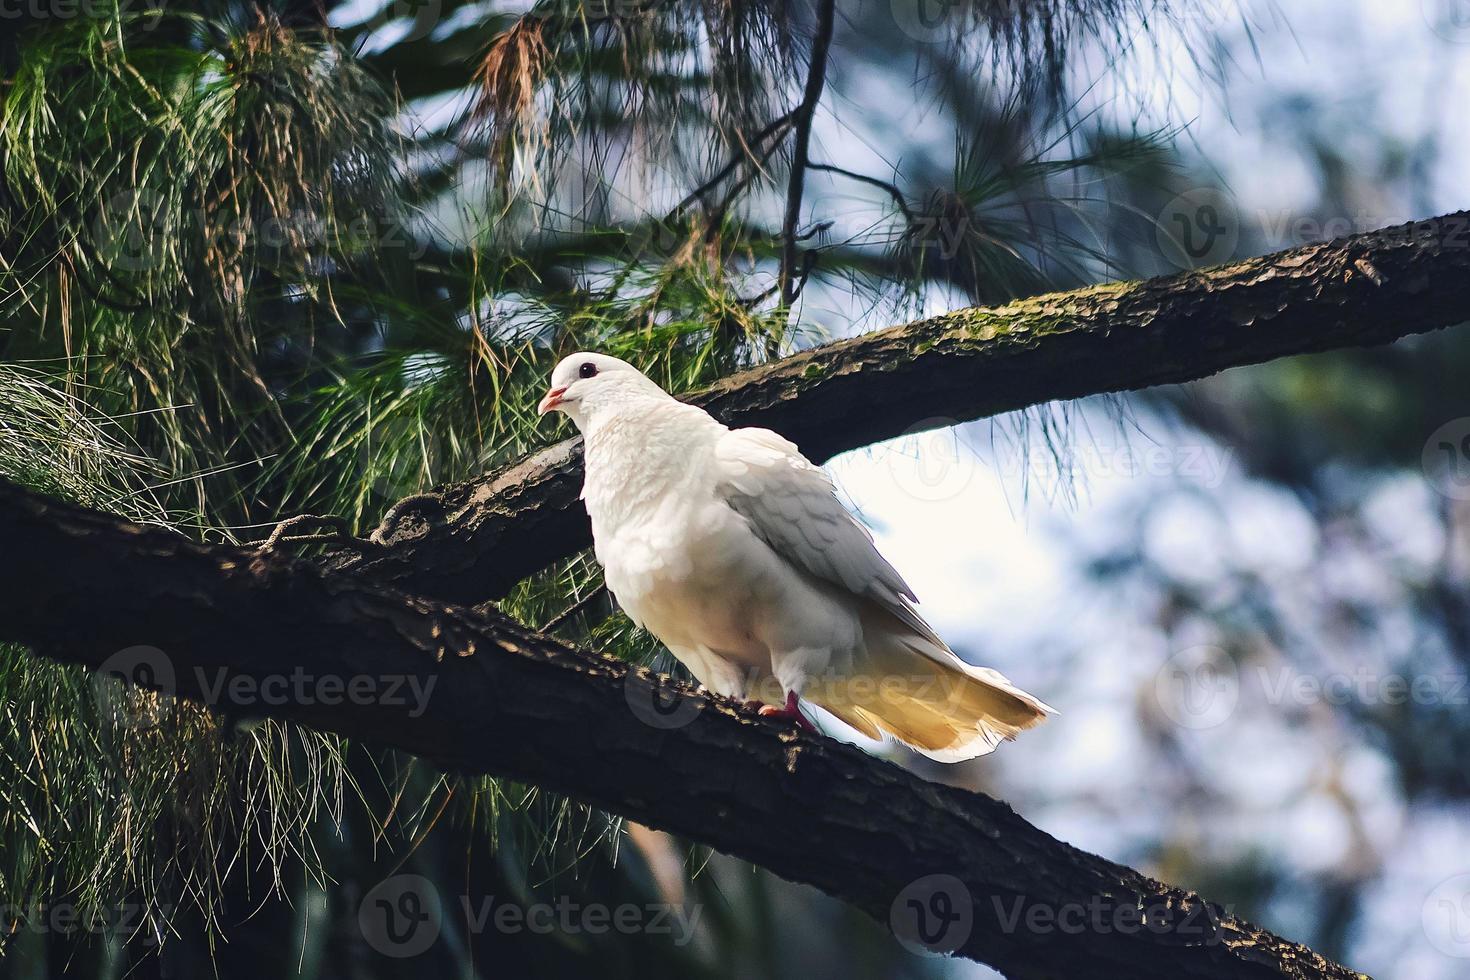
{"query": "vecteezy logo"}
pixel 132 231
pixel 1450 19
pixel 418 18
pixel 1446 917
pixel 1198 687
pixel 401 916
pixel 122 682
pixel 927 21
pixel 933 915
pixel 1198 228
pixel 400 453
pixel 931 462
pixel 1446 459
pixel 657 704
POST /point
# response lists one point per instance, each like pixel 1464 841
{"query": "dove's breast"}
pixel 690 577
pixel 700 580
pixel 688 568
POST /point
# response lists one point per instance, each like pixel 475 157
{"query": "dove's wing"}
pixel 792 506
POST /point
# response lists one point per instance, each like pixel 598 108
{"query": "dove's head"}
pixel 586 386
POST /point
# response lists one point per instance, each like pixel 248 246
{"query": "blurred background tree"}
pixel 258 260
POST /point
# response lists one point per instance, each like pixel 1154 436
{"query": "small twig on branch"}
pixel 750 302
pixel 281 534
pixel 756 169
pixel 816 79
pixel 419 503
pixel 811 232
pixel 751 150
pixel 889 187
pixel 581 605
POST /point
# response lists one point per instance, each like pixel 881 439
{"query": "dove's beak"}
pixel 550 400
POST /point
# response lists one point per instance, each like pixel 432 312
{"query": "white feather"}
pixel 734 550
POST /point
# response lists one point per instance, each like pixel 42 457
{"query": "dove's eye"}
pixel 587 370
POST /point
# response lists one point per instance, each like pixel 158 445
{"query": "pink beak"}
pixel 550 400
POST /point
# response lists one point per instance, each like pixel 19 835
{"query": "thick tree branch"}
pixel 473 541
pixel 234 624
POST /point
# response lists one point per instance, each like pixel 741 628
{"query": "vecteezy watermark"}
pixel 659 704
pixel 67 919
pixel 299 686
pixel 400 452
pixel 1362 686
pixel 403 916
pixel 1285 228
pixel 1209 14
pixel 934 462
pixel 136 230
pixel 1446 459
pixel 1203 464
pixel 1450 19
pixel 934 914
pixel 1198 687
pixel 415 18
pixel 1204 226
pixel 64 10
pixel 1102 915
pixel 930 462
pixel 569 917
pixel 666 706
pixel 1201 687
pixel 930 21
pixel 135 686
pixel 1199 228
pixel 1446 917
pixel 942 235
pixel 152 680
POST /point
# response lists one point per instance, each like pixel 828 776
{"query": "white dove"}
pixel 733 549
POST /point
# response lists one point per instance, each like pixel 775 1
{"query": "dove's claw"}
pixel 791 710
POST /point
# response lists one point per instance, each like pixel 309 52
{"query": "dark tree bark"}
pixel 473 541
pixel 259 633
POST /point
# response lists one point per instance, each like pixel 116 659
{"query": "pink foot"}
pixel 791 710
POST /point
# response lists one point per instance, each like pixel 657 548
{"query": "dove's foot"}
pixel 791 710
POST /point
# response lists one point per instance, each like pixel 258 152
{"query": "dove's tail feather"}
pixel 916 689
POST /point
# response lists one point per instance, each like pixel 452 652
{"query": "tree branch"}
pixel 816 79
pixel 753 153
pixel 473 541
pixel 887 186
pixel 227 623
